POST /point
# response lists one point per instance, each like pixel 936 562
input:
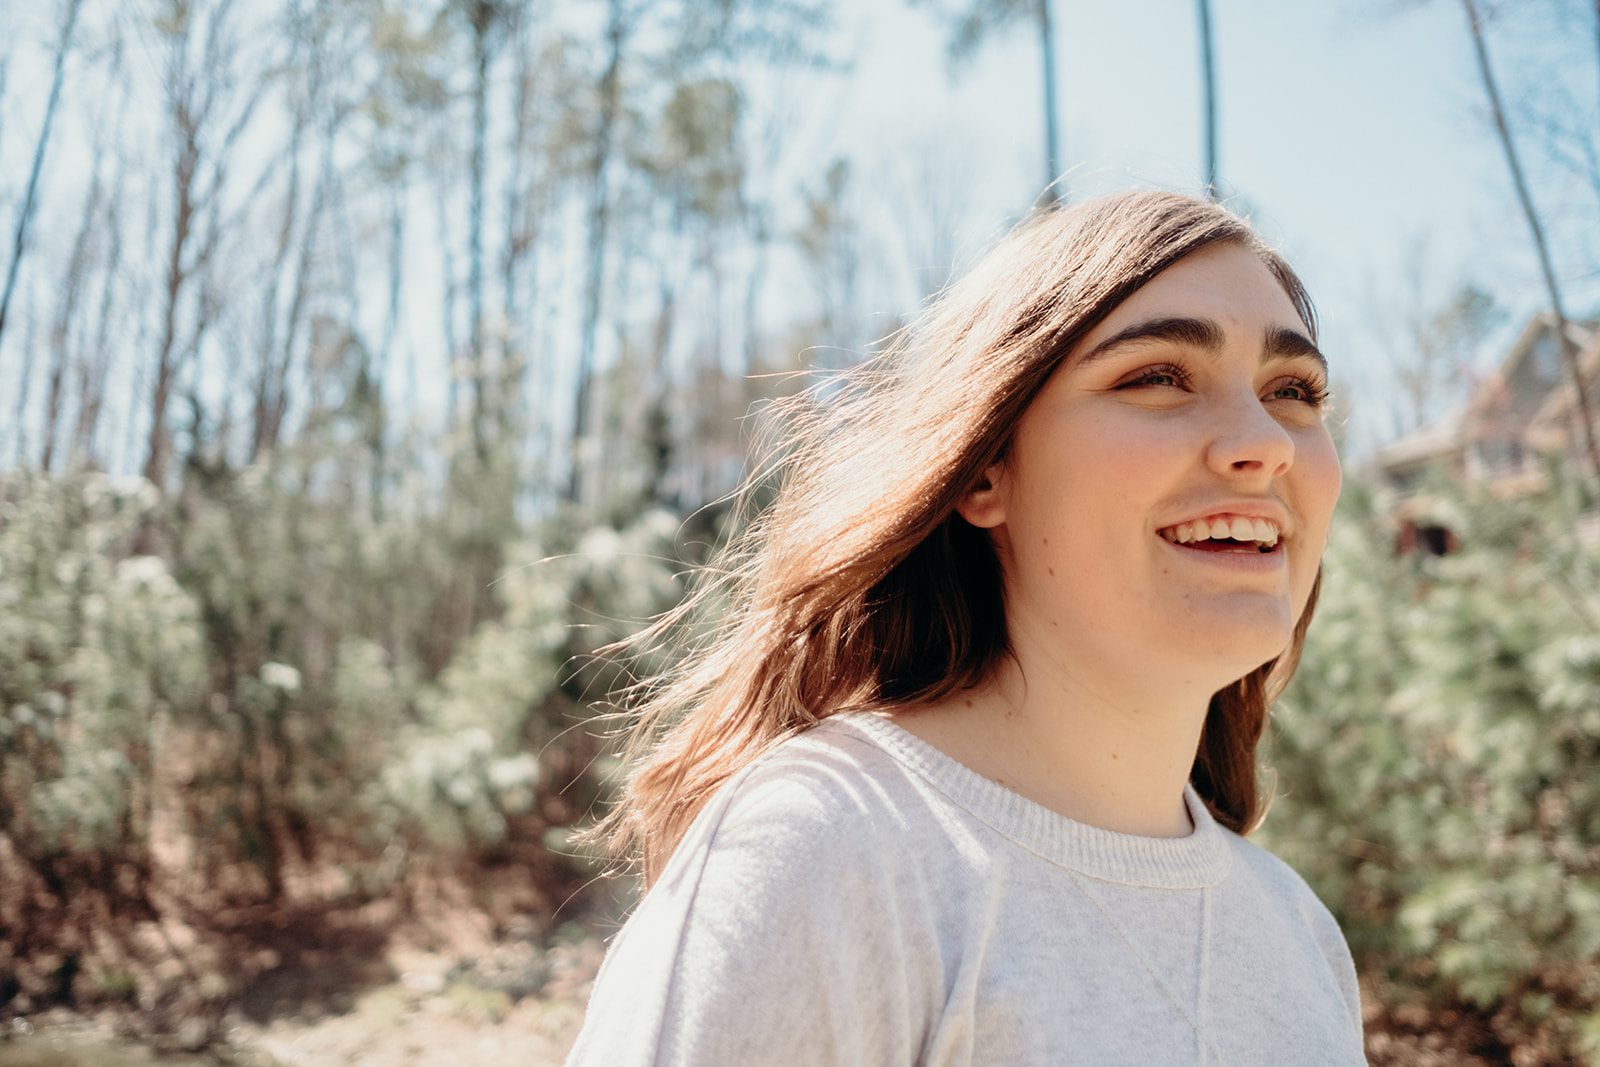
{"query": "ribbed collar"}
pixel 1194 862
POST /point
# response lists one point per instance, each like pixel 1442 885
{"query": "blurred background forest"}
pixel 368 365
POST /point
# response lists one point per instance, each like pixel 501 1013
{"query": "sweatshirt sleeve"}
pixel 774 936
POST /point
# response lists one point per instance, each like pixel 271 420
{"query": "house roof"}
pixel 1451 433
pixel 1553 413
pixel 1436 439
pixel 1541 323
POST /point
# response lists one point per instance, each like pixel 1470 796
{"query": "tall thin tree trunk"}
pixel 1569 353
pixel 94 363
pixel 25 216
pixel 391 325
pixel 442 188
pixel 273 390
pixel 25 386
pixel 610 98
pixel 1052 129
pixel 160 443
pixel 1208 75
pixel 265 409
pixel 66 315
pixel 93 355
pixel 482 26
pixel 521 226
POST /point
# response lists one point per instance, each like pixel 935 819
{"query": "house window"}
pixel 1546 358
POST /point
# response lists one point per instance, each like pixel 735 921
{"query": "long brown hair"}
pixel 860 585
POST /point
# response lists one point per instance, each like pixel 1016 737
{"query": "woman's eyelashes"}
pixel 1308 391
pixel 1302 389
pixel 1162 374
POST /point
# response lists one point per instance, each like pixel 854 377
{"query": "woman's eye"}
pixel 1169 376
pixel 1302 390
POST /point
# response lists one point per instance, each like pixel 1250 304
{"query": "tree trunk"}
pixel 482 25
pixel 267 408
pixel 96 359
pixel 1208 76
pixel 25 216
pixel 1052 144
pixel 521 226
pixel 1584 414
pixel 66 315
pixel 159 445
pixel 599 210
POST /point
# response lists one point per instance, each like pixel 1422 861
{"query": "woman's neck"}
pixel 1112 756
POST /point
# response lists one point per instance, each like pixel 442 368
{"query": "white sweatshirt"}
pixel 857 897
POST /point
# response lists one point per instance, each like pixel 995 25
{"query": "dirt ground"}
pixel 455 972
pixel 439 1013
pixel 433 1016
pixel 440 982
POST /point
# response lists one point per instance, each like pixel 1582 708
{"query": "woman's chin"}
pixel 1234 648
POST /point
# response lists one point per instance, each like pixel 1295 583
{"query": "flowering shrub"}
pixel 305 681
pixel 100 656
pixel 1438 761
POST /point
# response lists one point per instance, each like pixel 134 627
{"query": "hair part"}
pixel 861 586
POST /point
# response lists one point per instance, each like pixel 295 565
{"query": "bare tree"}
pixel 399 102
pixel 927 197
pixel 67 309
pixel 95 359
pixel 830 242
pixel 609 107
pixel 102 231
pixel 487 19
pixel 209 103
pixel 317 52
pixel 25 216
pixel 1583 410
pixel 1431 337
pixel 971 25
pixel 269 399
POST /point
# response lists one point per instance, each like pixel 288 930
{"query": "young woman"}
pixel 961 777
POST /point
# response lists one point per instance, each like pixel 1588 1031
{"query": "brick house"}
pixel 1518 416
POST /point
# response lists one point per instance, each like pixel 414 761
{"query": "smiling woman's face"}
pixel 1165 500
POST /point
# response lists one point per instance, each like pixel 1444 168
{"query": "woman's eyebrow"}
pixel 1193 333
pixel 1281 342
pixel 1285 343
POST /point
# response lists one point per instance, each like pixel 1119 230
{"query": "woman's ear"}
pixel 984 504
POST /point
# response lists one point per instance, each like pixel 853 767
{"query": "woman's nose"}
pixel 1246 440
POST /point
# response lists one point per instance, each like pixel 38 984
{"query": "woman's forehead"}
pixel 1211 288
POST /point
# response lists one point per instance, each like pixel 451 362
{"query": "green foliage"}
pixel 100 656
pixel 1439 761
pixel 300 677
pixel 468 761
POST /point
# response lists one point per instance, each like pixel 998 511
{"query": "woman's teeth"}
pixel 1224 528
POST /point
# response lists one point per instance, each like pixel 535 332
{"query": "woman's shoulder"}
pixel 838 787
pixel 1271 877
pixel 786 923
pixel 1283 912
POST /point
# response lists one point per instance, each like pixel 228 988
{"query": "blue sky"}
pixel 1353 132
